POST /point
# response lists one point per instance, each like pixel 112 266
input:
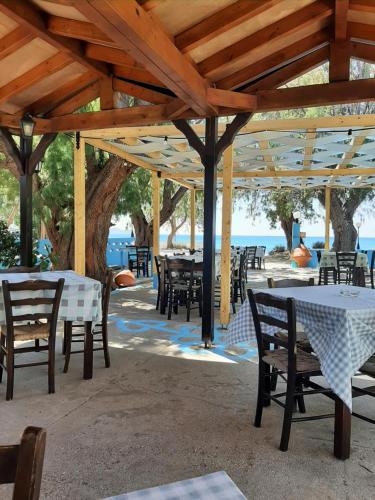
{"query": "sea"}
pixel 269 242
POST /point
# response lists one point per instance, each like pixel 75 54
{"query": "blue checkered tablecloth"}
pixel 216 486
pixel 341 329
pixel 329 259
pixel 80 300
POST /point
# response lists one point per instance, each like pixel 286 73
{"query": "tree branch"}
pixel 192 138
pixel 40 150
pixel 12 150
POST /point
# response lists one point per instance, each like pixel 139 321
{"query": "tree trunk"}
pixel 144 229
pixel 287 226
pixel 172 232
pixel 342 213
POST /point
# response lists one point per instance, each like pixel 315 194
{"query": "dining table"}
pixel 81 300
pixel 214 486
pixel 339 321
pixel 329 259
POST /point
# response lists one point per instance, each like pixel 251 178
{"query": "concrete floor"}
pixel 168 410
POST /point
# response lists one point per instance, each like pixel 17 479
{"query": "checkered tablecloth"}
pixel 341 329
pixel 198 258
pixel 80 300
pixel 216 486
pixel 328 259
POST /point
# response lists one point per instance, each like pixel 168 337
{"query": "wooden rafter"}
pixel 80 30
pixel 14 40
pixel 221 21
pixel 309 148
pixel 268 159
pixel 357 142
pixel 143 93
pixel 29 17
pixel 361 31
pixel 272 62
pixel 31 77
pixel 339 65
pixel 294 23
pixel 363 51
pixel 134 31
pixel 79 99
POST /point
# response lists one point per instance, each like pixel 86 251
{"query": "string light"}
pixel 165 140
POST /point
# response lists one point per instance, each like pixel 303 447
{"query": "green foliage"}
pixel 9 196
pixel 54 199
pixel 136 195
pixel 9 248
pixel 278 249
pixel 318 245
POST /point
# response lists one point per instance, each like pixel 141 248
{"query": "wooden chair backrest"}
pixel 21 269
pixel 289 283
pixel 264 316
pixel 346 260
pixel 22 464
pixel 182 268
pixel 250 252
pixel 10 303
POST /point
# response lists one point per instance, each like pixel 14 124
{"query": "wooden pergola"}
pixel 197 60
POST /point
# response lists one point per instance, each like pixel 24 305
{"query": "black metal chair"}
pixel 298 366
pixel 327 276
pixel 346 264
pixel 30 326
pixel 100 329
pixel 182 286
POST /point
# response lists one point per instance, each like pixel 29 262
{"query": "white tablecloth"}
pixel 216 486
pixel 329 259
pixel 80 300
pixel 341 329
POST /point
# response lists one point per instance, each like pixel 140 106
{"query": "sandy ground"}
pixel 168 410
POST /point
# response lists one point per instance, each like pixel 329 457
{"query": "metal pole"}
pixel 209 230
pixel 26 204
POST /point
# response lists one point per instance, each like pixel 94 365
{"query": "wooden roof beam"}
pixel 363 51
pixel 361 31
pixel 42 70
pixel 297 22
pixel 79 99
pixel 339 64
pixel 222 21
pixel 80 30
pixel 143 93
pixel 14 41
pixel 272 62
pixel 134 31
pixel 29 17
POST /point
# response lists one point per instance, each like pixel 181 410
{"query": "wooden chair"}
pixel 22 464
pixel 370 275
pixel 158 264
pixel 346 263
pixel 217 300
pixel 327 276
pixel 34 329
pixel 240 278
pixel 182 286
pixel 100 329
pixel 299 366
pixel 250 260
pixel 20 269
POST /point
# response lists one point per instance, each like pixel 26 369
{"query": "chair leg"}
pixel 105 345
pixel 267 383
pixel 37 345
pixel 10 372
pixel 63 347
pixel 188 304
pixel 288 414
pixel 158 298
pixel 51 367
pixel 300 399
pixel 68 345
pixel 170 300
pixel 2 353
pixel 260 400
pixel 200 302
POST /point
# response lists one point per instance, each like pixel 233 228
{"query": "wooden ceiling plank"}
pixel 78 100
pixel 42 70
pixel 60 95
pixel 272 62
pixel 134 31
pixel 220 22
pixel 295 22
pixel 78 29
pixel 140 92
pixel 26 15
pixel 14 40
pixel 291 71
pixel 110 55
pixel 363 5
pixel 339 63
pixel 235 100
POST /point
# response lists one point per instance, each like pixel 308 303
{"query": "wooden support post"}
pixel 155 217
pixel 209 231
pixel 327 217
pixel 226 226
pixel 192 218
pixel 79 207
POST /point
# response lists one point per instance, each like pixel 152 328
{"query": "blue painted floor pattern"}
pixel 187 338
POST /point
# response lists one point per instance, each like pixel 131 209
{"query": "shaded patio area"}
pixel 167 410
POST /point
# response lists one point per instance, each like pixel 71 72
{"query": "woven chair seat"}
pixel 369 367
pixel 302 341
pixel 32 331
pixel 279 359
